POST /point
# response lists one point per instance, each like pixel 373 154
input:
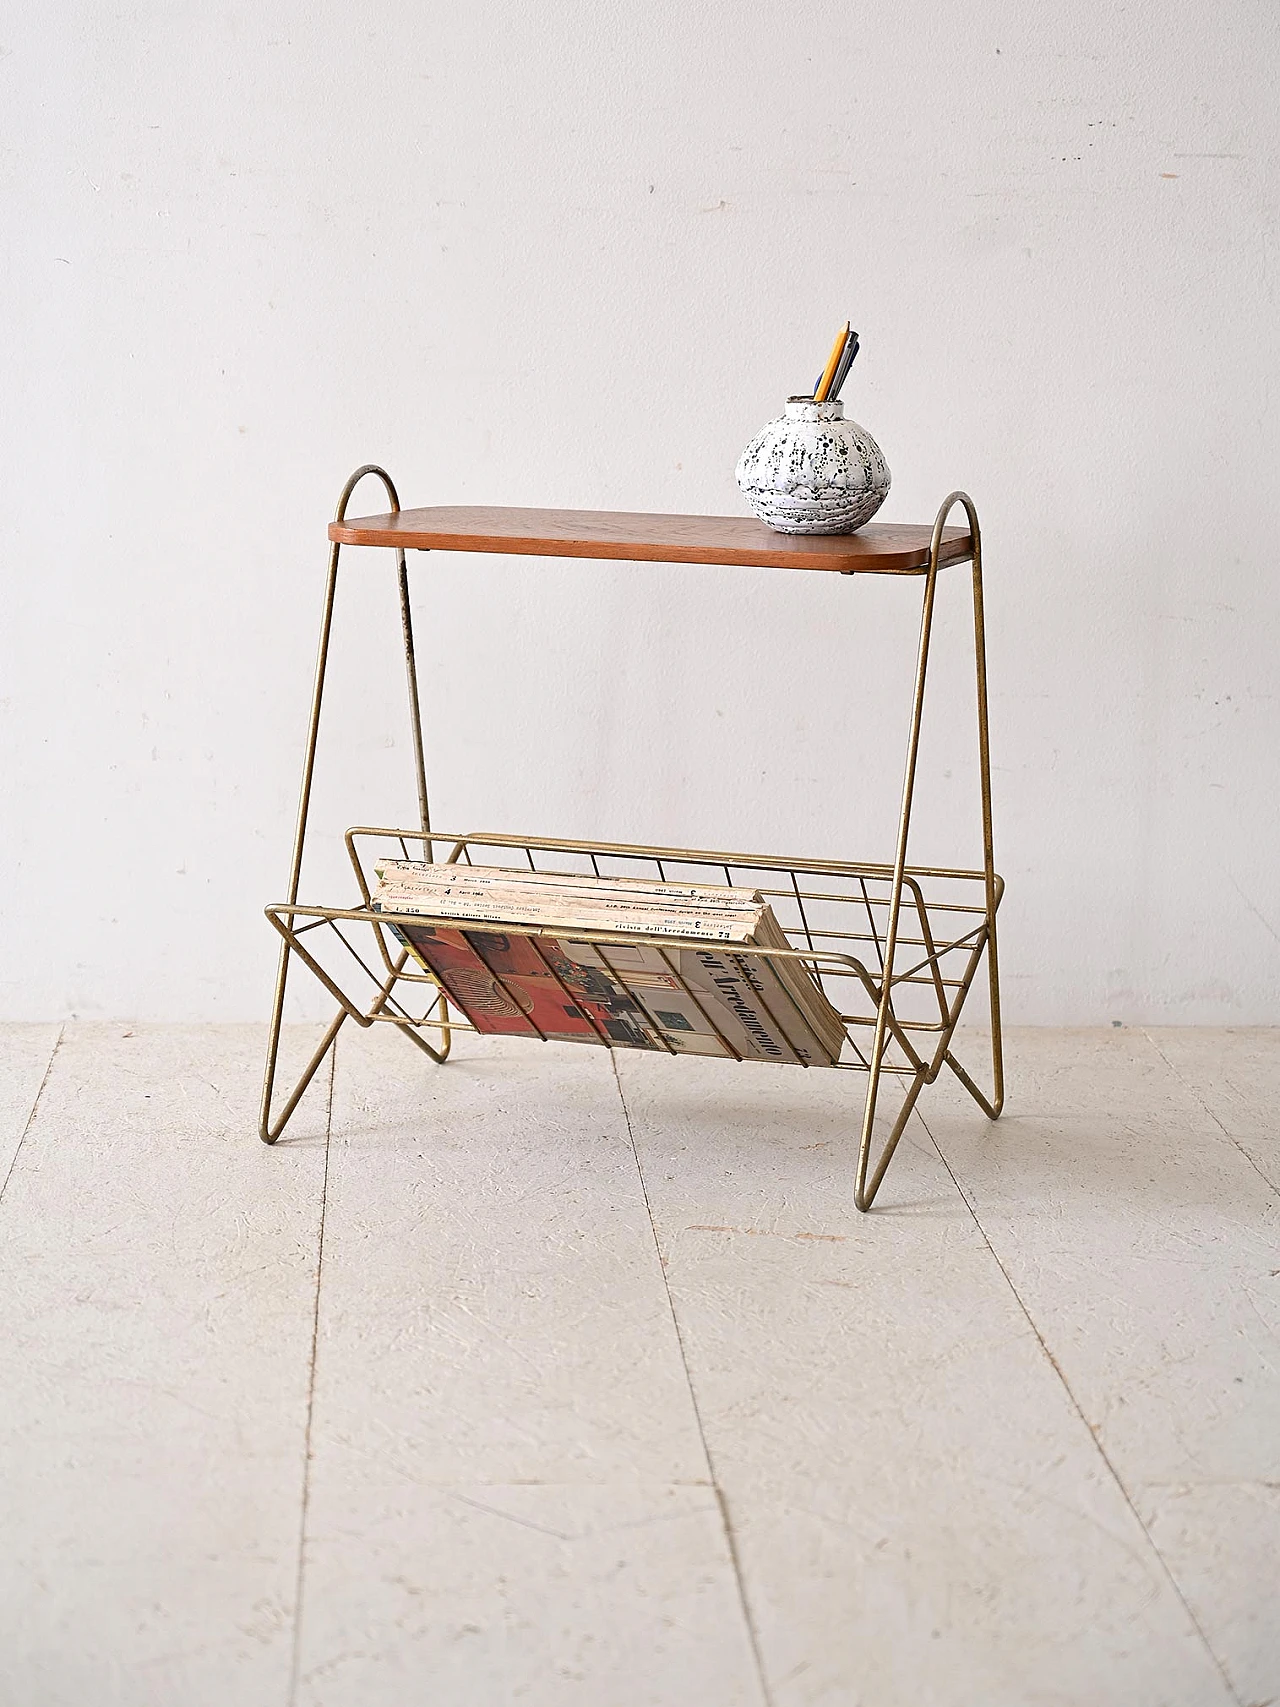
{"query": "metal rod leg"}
pixel 990 1107
pixel 269 1127
pixel 420 766
pixel 994 1107
pixel 864 1194
pixel 268 1131
pixel 866 1187
pixel 867 1193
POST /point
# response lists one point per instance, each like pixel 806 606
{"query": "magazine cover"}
pixel 465 979
pixel 527 977
pixel 681 1020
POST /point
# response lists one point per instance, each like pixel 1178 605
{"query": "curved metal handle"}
pixel 368 468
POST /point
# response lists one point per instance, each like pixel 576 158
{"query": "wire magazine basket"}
pixel 834 913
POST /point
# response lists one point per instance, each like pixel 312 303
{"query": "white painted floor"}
pixel 517 1381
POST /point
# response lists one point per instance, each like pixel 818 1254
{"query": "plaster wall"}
pixel 575 255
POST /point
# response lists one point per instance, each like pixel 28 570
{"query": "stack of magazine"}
pixel 717 999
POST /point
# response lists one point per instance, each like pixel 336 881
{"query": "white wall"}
pixel 574 255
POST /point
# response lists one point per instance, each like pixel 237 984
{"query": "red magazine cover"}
pixel 466 979
pixel 528 977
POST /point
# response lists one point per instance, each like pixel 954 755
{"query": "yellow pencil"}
pixel 833 362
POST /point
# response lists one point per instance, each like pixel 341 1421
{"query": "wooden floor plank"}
pixel 1143 1242
pixel 483 1594
pixel 509 1496
pixel 920 1514
pixel 25 1054
pixel 157 1269
pixel 1235 1076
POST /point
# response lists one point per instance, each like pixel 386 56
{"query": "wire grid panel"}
pixel 835 915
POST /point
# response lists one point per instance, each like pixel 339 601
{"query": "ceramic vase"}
pixel 811 471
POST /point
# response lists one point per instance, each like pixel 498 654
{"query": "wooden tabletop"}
pixel 885 548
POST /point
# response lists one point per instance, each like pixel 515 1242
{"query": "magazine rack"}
pixel 896 947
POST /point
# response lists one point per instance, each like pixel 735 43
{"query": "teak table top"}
pixel 886 548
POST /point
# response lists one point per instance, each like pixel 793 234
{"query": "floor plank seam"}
pixel 1193 1092
pixel 295 1658
pixel 1079 1411
pixel 722 1503
pixel 30 1120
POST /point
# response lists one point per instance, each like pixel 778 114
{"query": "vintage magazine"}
pixel 718 1001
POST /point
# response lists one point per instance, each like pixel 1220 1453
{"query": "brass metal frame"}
pixel 269 1128
pixel 912 1011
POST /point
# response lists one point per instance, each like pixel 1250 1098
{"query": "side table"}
pixel 895 946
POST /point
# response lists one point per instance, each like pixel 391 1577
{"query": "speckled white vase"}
pixel 811 471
